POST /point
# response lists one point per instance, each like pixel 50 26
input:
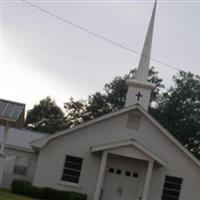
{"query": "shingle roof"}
pixel 20 138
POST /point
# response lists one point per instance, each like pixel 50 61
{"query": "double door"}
pixel 121 181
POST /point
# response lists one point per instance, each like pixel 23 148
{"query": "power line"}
pixel 99 36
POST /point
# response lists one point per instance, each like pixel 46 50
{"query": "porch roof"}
pixel 131 142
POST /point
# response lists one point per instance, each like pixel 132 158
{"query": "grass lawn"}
pixel 8 195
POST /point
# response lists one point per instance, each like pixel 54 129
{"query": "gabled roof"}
pixel 125 143
pixel 40 143
pixel 20 138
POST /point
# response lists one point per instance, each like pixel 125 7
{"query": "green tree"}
pixel 178 110
pixel 45 117
pixel 76 112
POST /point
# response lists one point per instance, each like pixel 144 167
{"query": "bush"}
pixel 24 187
pixel 21 186
pixel 35 192
pixel 52 194
pixel 75 196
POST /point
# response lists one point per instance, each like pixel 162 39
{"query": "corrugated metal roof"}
pixel 10 110
pixel 21 138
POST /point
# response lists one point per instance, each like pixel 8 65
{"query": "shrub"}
pixel 77 196
pixel 21 186
pixel 24 187
pixel 35 192
pixel 52 194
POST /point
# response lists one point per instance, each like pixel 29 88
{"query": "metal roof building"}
pixel 21 138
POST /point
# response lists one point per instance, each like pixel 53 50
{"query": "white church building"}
pixel 124 155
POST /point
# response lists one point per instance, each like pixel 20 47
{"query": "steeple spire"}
pixel 139 90
pixel 143 68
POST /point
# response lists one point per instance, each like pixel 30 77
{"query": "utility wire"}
pixel 98 36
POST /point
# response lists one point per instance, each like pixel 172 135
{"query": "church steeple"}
pixel 139 90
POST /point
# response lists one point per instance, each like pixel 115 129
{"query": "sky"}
pixel 43 56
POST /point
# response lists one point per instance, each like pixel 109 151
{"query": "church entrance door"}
pixel 121 180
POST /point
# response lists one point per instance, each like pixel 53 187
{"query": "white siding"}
pixel 52 156
pixel 9 175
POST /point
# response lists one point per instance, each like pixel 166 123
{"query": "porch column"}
pixel 100 177
pixel 147 180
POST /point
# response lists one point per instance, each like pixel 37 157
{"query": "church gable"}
pixel 116 120
pixel 129 151
pixel 128 123
pixel 129 148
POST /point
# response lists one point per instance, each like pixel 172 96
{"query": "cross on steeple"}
pixel 138 95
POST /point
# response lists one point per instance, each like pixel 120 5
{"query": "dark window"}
pixel 20 170
pixel 128 173
pixel 172 187
pixel 72 169
pixel 118 171
pixel 135 175
pixel 111 170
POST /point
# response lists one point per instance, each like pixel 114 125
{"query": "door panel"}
pixel 112 189
pixel 121 180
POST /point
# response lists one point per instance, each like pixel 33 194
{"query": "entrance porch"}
pixel 125 171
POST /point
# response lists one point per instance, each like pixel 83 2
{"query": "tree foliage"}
pixel 45 117
pixel 178 110
pixel 76 112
